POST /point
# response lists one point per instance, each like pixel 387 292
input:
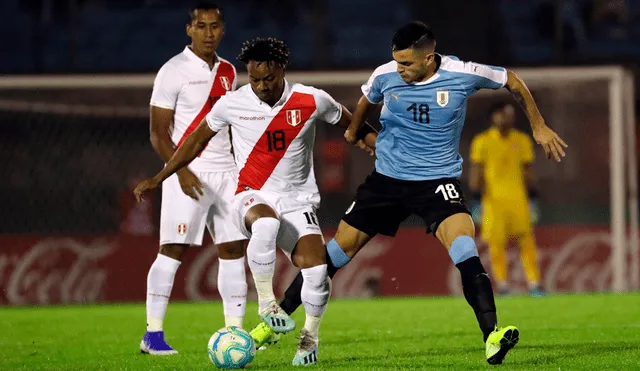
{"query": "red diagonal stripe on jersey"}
pixel 261 162
pixel 217 91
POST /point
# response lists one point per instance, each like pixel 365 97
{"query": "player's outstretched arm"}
pixel 543 135
pixel 363 108
pixel 187 152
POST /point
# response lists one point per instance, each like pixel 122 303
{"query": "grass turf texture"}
pixel 565 332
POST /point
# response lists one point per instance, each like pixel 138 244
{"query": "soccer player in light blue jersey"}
pixel 424 97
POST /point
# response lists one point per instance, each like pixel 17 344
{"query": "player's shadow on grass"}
pixel 405 361
pixel 386 338
pixel 531 355
pixel 549 353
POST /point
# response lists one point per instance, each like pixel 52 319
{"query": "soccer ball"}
pixel 231 347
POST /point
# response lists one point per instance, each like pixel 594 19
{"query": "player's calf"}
pixel 232 285
pixel 261 256
pixel 263 223
pixel 456 233
pixel 338 254
pixel 315 297
pixel 159 286
pixel 232 281
pixel 310 255
pixel 335 260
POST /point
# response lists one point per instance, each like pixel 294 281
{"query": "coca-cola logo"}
pixel 580 264
pixel 56 270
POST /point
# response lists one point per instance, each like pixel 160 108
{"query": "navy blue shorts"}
pixel 382 203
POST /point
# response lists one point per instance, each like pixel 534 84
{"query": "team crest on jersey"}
pixel 226 84
pixel 294 117
pixel 182 229
pixel 442 97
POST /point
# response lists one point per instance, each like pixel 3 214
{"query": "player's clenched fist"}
pixel 550 141
pixel 190 184
pixel 144 186
pixel 350 136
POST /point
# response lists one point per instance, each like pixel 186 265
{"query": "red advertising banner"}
pixel 51 269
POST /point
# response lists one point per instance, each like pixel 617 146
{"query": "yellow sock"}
pixel 498 260
pixel 529 257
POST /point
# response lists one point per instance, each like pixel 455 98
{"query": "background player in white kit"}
pixel 184 91
pixel 273 127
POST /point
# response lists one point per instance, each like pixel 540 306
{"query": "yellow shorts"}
pixel 505 219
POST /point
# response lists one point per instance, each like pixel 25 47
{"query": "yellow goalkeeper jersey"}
pixel 504 159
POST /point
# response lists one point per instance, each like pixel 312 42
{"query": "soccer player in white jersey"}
pixel 184 91
pixel 273 131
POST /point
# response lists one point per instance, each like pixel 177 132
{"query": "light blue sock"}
pixel 338 258
pixel 462 248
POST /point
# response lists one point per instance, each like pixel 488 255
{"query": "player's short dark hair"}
pixel 413 35
pixel 203 5
pixel 269 50
pixel 495 107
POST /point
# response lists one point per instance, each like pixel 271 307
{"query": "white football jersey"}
pixel 274 145
pixel 186 85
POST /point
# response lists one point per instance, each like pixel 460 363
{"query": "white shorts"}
pixel 183 219
pixel 297 219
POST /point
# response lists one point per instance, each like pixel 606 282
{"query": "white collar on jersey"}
pixel 281 101
pixel 194 58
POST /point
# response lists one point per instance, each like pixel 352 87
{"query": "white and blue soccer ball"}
pixel 231 348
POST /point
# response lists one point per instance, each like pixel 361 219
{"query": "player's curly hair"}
pixel 269 50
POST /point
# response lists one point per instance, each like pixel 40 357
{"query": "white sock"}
pixel 312 324
pixel 261 254
pixel 315 296
pixel 159 285
pixel 232 285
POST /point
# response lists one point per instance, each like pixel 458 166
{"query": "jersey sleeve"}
pixel 476 76
pixel 372 89
pixel 234 84
pixel 166 88
pixel 477 153
pixel 328 109
pixel 217 118
pixel 527 154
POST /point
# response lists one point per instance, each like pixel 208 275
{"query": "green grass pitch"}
pixel 564 332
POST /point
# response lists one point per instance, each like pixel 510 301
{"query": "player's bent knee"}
pixel 232 250
pixel 349 239
pixel 257 212
pixel 173 250
pixel 453 227
pixel 265 228
pixel 309 252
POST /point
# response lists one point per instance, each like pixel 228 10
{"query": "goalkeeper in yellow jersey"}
pixel 502 178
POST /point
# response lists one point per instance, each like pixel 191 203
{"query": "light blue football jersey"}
pixel 422 122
